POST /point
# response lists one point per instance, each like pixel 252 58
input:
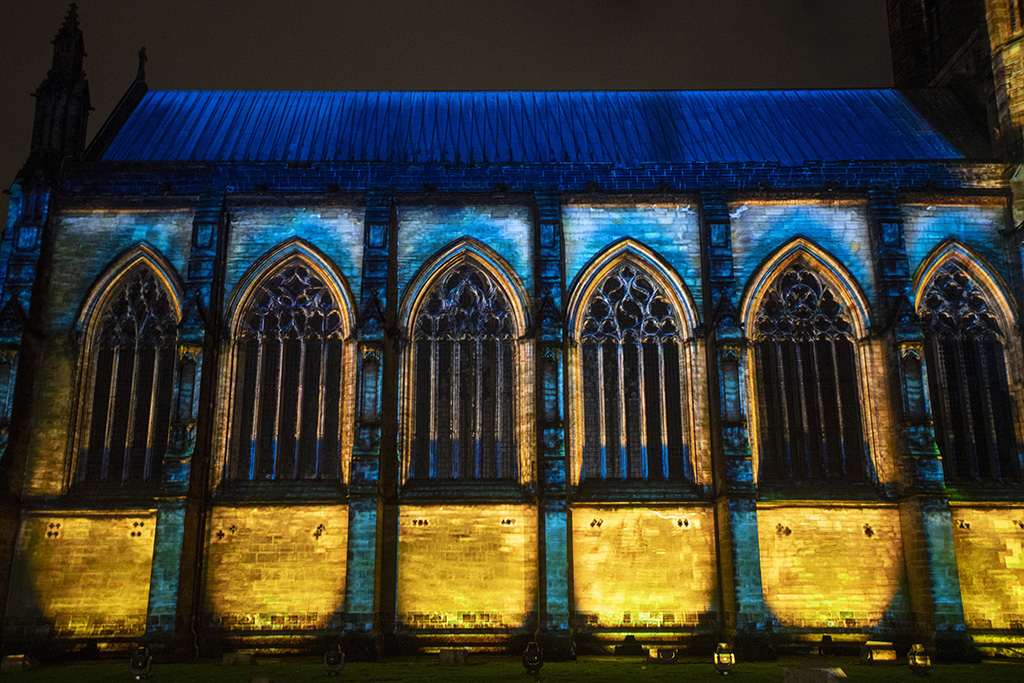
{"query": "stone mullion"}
pixel 819 399
pixel 801 395
pixel 732 463
pixel 133 400
pixel 296 462
pixel 623 408
pixel 602 466
pixel 478 416
pixel 783 398
pixel 663 405
pixel 642 417
pixel 154 389
pixel 257 407
pixel 554 517
pixel 108 435
pixel 278 407
pixel 455 421
pixel 927 527
pixel 321 407
pixel 839 404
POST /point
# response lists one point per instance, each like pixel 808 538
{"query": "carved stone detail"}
pixel 800 307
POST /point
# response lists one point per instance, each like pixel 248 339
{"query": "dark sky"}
pixel 441 44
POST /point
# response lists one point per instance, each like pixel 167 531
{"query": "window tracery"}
pixel 968 378
pixel 289 374
pixel 634 420
pixel 464 370
pixel 807 382
pixel 134 349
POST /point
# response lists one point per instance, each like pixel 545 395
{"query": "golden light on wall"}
pixel 276 567
pixel 467 566
pixel 840 566
pixel 85 573
pixel 989 545
pixel 643 567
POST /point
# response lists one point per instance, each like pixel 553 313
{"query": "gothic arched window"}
pixel 967 374
pixel 634 417
pixel 807 382
pixel 128 412
pixel 464 375
pixel 289 375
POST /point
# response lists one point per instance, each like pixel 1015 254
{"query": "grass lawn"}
pixel 495 670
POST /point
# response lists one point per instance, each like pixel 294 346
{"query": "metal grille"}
pixel 132 383
pixel 807 383
pixel 634 418
pixel 968 380
pixel 289 374
pixel 464 369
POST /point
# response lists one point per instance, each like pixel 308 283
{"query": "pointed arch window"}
pixel 464 380
pixel 634 414
pixel 131 385
pixel 968 380
pixel 289 374
pixel 807 382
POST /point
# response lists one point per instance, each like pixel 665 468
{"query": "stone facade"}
pixel 699 538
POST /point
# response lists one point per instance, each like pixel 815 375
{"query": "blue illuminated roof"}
pixel 620 128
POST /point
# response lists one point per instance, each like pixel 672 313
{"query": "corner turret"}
pixel 62 104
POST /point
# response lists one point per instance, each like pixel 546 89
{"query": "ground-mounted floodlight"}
pixel 918 660
pixel 662 655
pixel 533 658
pixel 334 660
pixel 141 663
pixel 725 659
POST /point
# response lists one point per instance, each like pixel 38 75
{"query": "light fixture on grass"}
pixel 918 660
pixel 140 663
pixel 334 660
pixel 533 658
pixel 725 659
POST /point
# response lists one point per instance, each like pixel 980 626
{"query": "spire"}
pixel 68 48
pixel 141 74
pixel 62 102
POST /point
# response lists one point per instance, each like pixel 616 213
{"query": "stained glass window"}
pixel 634 389
pixel 464 381
pixel 289 375
pixel 971 401
pixel 808 398
pixel 132 377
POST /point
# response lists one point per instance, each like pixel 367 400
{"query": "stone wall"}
pixel 990 559
pixel 827 566
pixel 81 575
pixel 644 567
pixel 276 567
pixel 467 566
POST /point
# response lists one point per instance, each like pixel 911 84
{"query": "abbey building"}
pixel 416 369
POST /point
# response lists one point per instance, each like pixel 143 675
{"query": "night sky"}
pixel 440 45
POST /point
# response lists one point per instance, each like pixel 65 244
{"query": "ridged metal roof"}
pixel 622 128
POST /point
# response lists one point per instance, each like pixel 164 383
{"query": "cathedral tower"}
pixel 971 46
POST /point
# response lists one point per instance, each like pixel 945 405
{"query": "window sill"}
pixel 291 491
pixel 634 491
pixel 821 490
pixel 112 496
pixel 984 491
pixel 455 490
